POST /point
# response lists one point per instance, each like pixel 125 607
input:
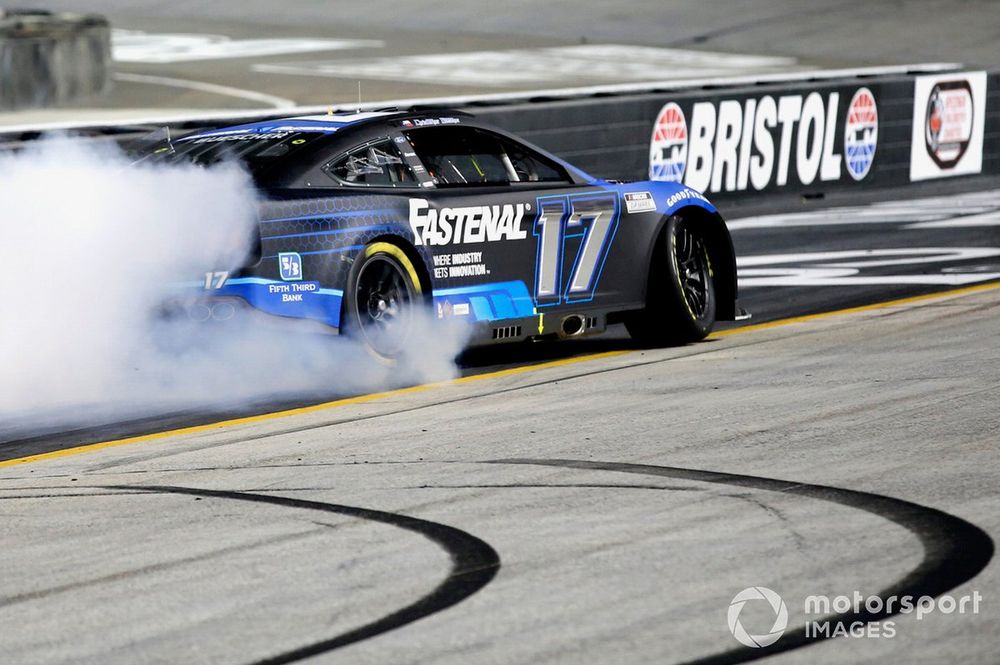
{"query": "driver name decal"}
pixel 466 225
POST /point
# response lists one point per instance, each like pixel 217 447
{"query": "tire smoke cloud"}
pixel 94 246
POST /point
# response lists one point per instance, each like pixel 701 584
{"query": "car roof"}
pixel 329 123
pixel 332 124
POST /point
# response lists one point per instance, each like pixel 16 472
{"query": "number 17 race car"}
pixel 368 217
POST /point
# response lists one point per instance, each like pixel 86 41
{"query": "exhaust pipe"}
pixel 572 325
pixel 200 313
pixel 223 311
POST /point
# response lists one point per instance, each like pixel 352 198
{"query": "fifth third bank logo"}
pixel 780 617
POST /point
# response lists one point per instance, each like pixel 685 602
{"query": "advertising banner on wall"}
pixel 746 143
pixel 805 137
pixel 949 113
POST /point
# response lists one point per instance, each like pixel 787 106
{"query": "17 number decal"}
pixel 594 218
pixel 216 280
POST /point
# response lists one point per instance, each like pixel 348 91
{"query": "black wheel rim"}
pixel 692 270
pixel 382 298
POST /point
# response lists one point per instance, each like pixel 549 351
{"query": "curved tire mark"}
pixel 955 551
pixel 473 564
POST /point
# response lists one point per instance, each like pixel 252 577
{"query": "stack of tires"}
pixel 51 59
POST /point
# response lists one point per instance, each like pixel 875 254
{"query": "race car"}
pixel 367 218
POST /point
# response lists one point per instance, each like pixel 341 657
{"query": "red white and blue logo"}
pixel 861 133
pixel 668 149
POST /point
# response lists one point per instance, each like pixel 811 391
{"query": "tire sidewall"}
pixel 698 325
pixel 666 319
pixel 351 325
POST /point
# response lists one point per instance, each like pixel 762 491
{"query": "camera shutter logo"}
pixel 780 618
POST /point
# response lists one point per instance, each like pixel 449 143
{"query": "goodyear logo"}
pixel 466 225
pixel 684 195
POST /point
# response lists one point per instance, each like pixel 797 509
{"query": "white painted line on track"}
pixel 872 257
pixel 613 62
pixel 136 46
pixel 986 219
pixel 210 88
pixel 968 210
pixel 938 265
pixel 831 277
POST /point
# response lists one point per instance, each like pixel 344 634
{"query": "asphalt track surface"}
pixel 587 502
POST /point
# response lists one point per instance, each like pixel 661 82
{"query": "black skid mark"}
pixel 473 564
pixel 955 551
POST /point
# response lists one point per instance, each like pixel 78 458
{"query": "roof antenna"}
pixel 170 142
pixel 359 95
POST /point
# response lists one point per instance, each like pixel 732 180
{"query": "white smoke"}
pixel 92 247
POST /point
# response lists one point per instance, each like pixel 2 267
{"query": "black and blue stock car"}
pixel 368 216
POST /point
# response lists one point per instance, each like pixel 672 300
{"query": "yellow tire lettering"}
pixel 395 252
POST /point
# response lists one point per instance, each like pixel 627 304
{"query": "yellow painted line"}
pixel 512 371
pixel 360 399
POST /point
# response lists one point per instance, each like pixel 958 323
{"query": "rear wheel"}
pixel 382 297
pixel 680 295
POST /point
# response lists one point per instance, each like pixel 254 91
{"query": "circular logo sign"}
pixel 948 126
pixel 780 617
pixel 668 148
pixel 861 133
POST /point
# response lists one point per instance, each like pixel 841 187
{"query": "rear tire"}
pixel 680 294
pixel 381 301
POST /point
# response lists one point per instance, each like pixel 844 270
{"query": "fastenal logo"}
pixel 861 133
pixel 780 617
pixel 446 226
pixel 668 149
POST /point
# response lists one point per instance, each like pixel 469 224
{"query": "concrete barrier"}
pixel 49 59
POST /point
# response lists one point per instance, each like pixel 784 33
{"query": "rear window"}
pixel 256 150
